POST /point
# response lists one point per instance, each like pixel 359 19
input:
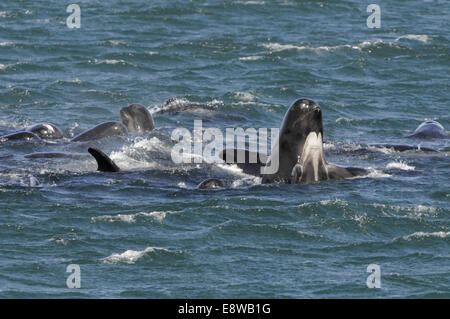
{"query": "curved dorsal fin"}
pixel 105 164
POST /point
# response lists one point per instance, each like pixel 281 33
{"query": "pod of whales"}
pixel 297 153
pixel 135 118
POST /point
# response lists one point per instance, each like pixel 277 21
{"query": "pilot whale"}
pixel 36 131
pixel 299 149
pixel 134 118
pixel 429 130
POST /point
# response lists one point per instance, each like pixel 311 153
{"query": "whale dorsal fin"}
pixel 105 164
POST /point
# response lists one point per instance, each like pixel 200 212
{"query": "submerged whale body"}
pixel 106 164
pixel 22 135
pixel 36 131
pixel 45 131
pixel 135 118
pixel 211 183
pixel 429 130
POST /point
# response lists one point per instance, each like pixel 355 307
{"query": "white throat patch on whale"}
pixel 312 161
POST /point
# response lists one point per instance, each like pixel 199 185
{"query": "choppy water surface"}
pixel 147 231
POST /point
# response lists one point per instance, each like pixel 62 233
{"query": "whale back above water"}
pixel 429 130
pixel 21 135
pixel 106 129
pixel 45 131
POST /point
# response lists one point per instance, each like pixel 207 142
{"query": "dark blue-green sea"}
pixel 147 231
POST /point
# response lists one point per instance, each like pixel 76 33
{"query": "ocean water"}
pixel 147 232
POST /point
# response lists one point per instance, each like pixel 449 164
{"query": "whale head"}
pixel 301 127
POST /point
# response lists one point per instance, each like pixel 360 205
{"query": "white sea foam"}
pixel 134 156
pixel 131 256
pixel 245 96
pixel 400 165
pixel 248 180
pixel 112 61
pixel 375 173
pixel 413 212
pixel 107 61
pixel 423 235
pixel 251 2
pixel 116 42
pixel 61 241
pixel 182 185
pixel 130 218
pixel 277 47
pixel 418 37
pixel 176 103
pixel 333 202
pixel 232 169
pixel 345 120
pixel 328 146
pixel 251 58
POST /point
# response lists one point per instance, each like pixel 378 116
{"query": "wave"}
pixel 282 47
pixel 137 154
pixel 245 96
pixel 109 61
pixel 7 44
pixel 251 58
pixel 132 256
pixel 400 165
pixel 130 218
pixel 413 212
pixel 418 37
pixel 425 235
pixel 251 2
pixel 277 47
pixel 175 105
